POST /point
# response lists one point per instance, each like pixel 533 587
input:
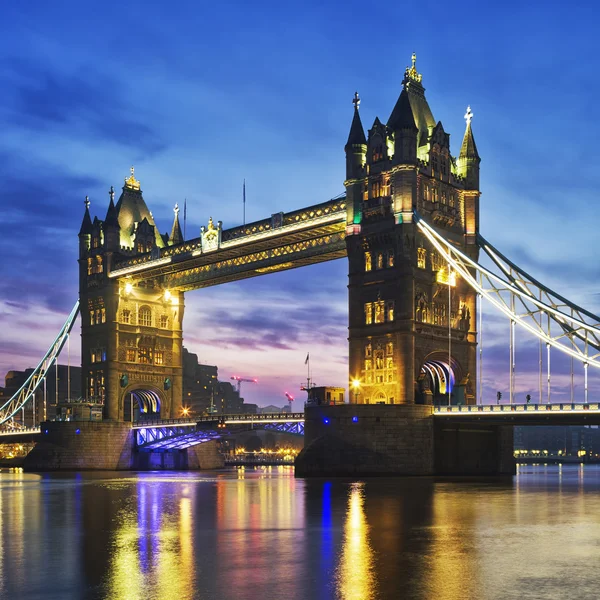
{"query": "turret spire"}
pixel 176 237
pixel 111 219
pixel 86 224
pixel 468 148
pixel 357 133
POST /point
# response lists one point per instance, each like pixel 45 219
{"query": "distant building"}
pixel 326 395
pixel 200 385
pixel 569 440
pixel 69 388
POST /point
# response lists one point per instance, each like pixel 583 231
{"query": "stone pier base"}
pixel 106 446
pixel 367 439
pixel 364 440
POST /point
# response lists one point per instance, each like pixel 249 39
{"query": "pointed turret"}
pixel 86 224
pixel 356 146
pixel 175 237
pixel 402 116
pixel 467 164
pixel 112 237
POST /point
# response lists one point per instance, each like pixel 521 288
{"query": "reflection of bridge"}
pixel 409 227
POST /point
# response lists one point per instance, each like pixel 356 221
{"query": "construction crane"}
pixel 241 380
pixel 290 399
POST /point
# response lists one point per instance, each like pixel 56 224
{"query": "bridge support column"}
pixel 474 449
pixel 363 439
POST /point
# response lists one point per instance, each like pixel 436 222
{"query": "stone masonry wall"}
pixel 84 445
pixel 367 439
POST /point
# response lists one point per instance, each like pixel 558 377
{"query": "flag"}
pixel 306 361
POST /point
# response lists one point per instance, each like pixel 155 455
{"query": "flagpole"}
pixel 184 216
pixel 244 202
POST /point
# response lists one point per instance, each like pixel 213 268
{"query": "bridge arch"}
pixel 145 401
pixel 437 376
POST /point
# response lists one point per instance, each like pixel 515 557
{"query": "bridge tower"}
pixel 412 321
pixel 131 333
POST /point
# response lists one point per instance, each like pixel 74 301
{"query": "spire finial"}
pixel 87 202
pixel 133 170
pixel 356 100
pixel 411 72
pixel 111 194
pixel 132 182
pixel 176 210
pixel 468 115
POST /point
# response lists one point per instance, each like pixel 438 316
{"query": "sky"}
pixel 200 96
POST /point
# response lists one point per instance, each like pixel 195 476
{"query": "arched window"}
pixel 164 321
pixel 145 317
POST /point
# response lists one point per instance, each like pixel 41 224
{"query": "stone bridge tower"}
pixel 131 334
pixel 412 322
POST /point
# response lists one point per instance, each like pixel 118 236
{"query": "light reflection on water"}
pixel 258 533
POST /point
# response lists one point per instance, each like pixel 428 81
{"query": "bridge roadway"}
pixel 503 414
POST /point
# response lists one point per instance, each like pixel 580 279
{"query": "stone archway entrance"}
pixel 144 403
pixel 438 380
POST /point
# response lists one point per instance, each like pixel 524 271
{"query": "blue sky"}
pixel 199 96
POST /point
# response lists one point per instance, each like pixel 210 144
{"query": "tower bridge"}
pixel 408 225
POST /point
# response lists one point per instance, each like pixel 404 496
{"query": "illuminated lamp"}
pixel 128 288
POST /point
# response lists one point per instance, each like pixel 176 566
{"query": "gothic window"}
pixel 444 197
pixel 390 310
pixel 365 193
pixel 377 153
pixel 140 247
pixel 95 242
pixel 164 321
pixel 385 188
pixel 126 316
pixel 131 355
pixel 379 360
pixel 375 189
pixel 379 260
pixel 99 268
pixel 90 266
pixel 390 258
pixel 389 363
pixel 149 247
pixel 103 315
pixel 91 384
pixel 434 164
pixel 389 348
pixel 145 317
pixel 145 355
pixel 369 379
pixel 368 261
pixel 368 350
pixel 92 317
pixel 378 378
pixel 368 313
pixel 379 311
pixel 159 357
pixel 368 364
pixel 434 195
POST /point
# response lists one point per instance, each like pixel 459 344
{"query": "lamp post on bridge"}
pixel 356 388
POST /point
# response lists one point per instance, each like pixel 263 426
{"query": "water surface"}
pixel 260 534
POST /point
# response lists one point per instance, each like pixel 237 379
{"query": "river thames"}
pixel 261 534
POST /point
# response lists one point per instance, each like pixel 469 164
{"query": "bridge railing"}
pixel 514 408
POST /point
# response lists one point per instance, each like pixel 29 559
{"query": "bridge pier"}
pixel 367 440
pixel 107 446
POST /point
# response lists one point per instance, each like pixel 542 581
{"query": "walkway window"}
pixel 159 357
pixel 131 355
pixel 389 348
pixel 145 317
pixel 368 350
pixel 379 260
pixel 421 258
pixel 126 316
pixel 390 258
pixel 164 321
pixel 92 317
pixel 90 266
pixel 368 261
pixel 368 364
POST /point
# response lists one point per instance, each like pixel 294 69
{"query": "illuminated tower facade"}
pixel 412 321
pixel 131 332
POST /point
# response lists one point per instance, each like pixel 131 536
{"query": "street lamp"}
pixel 185 411
pixel 356 386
